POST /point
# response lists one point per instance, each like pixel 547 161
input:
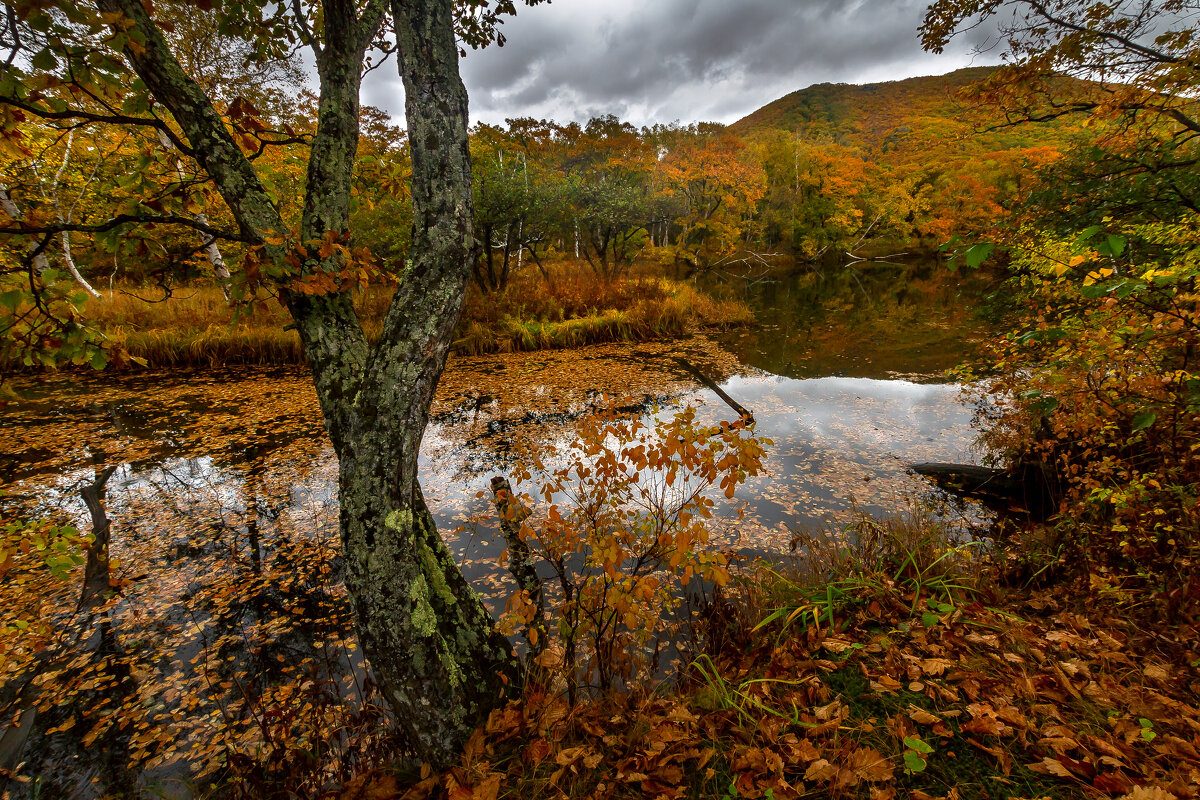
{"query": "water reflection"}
pixel 870 320
pixel 225 508
pixel 841 444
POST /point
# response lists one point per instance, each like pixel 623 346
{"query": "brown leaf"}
pixel 1113 783
pixel 371 786
pixel 886 683
pixel 1050 766
pixel 986 639
pixel 1157 672
pixel 488 789
pixel 827 712
pixel 570 755
pixel 1058 744
pixel 921 716
pixel 984 720
pixel 936 666
pixel 537 751
pixel 820 770
pixel 1149 793
pixel 870 765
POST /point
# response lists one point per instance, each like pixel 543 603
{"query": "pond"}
pixel 224 501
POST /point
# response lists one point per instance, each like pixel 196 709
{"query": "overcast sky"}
pixel 653 61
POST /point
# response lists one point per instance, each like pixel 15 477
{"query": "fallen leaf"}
pixel 870 765
pixel 921 716
pixel 820 770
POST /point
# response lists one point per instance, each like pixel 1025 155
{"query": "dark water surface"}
pixel 224 503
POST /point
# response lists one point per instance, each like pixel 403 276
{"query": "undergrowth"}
pixel 882 661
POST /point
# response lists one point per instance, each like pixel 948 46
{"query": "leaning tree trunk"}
pixel 434 647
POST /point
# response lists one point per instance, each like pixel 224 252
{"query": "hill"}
pixel 897 121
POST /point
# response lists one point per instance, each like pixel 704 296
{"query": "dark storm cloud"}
pixel 687 60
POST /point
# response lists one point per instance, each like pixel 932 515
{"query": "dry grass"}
pixel 196 327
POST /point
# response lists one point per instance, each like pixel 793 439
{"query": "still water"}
pixel 224 502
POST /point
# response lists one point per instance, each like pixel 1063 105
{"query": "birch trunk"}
pixel 211 251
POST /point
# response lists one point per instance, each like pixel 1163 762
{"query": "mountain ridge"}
pixel 892 121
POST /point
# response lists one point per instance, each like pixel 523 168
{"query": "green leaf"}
pixel 1045 406
pixel 929 619
pixel 1084 235
pixel 1112 245
pixel 135 104
pixel 918 744
pixel 12 299
pixel 944 246
pixel 913 762
pixel 99 360
pixel 1143 420
pixel 978 253
pixel 44 60
pixel 1128 287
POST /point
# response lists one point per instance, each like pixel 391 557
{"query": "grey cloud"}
pixel 686 60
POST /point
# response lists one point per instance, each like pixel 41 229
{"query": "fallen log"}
pixel 712 385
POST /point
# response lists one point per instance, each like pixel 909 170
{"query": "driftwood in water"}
pixel 1029 487
pixel 520 560
pixel 712 385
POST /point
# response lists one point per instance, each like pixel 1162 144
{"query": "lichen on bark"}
pixel 432 644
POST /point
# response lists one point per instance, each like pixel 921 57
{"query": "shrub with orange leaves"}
pixel 624 534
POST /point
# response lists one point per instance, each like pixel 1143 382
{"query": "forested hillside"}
pixel 894 120
pixel 918 157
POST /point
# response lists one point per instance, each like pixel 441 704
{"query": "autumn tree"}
pixel 511 204
pixel 434 647
pixel 718 186
pixel 606 182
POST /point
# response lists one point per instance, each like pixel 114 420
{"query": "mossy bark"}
pixel 433 645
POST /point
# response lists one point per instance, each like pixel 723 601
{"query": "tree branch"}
pixel 88 116
pixel 125 219
pixel 1124 41
pixel 306 34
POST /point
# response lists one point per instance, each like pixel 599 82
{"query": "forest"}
pixel 846 449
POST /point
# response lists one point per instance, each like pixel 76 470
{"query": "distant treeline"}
pixel 817 175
